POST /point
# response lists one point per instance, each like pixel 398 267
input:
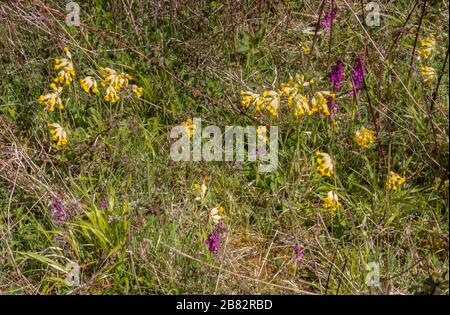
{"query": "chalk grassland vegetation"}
pixel 109 199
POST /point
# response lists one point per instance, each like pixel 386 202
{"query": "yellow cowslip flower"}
pixel 305 47
pixel 364 137
pixel 137 90
pixel 324 164
pixel 301 105
pixel 65 65
pixel 429 74
pixel 320 103
pixel 58 134
pixel 52 99
pixel 89 84
pixel 331 201
pixel 249 99
pixel 259 131
pixel 111 95
pixel 272 101
pixel 217 214
pixel 201 190
pixel 190 127
pixel 294 85
pixel 394 181
pixel 428 47
pixel 114 79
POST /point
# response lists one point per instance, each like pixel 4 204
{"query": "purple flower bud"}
pixel 104 204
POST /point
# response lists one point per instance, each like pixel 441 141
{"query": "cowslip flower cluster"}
pixel 331 201
pixel 429 74
pixel 268 100
pixel 66 72
pixel 215 237
pixel 363 137
pixel 394 181
pixel 217 214
pixel 115 82
pixel 58 133
pixel 65 76
pixel 324 164
pixel 53 98
pixel 295 99
pixel 189 127
pixel 428 46
pixel 89 84
pixel 201 190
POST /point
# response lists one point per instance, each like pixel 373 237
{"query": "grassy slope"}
pixel 120 152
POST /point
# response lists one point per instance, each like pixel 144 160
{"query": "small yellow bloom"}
pixel 190 127
pixel 58 134
pixel 137 90
pixel 363 137
pixel 331 201
pixel 53 98
pixel 320 103
pixel 112 78
pixel 428 47
pixel 429 74
pixel 272 101
pixel 217 214
pixel 67 70
pixel 201 190
pixel 89 84
pixel 111 95
pixel 394 181
pixel 261 133
pixel 324 164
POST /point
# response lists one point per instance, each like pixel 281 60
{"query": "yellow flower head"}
pixel 190 127
pixel 324 164
pixel 428 47
pixel 58 133
pixel 66 72
pixel 201 190
pixel 53 98
pixel 394 181
pixel 217 214
pixel 89 84
pixel 261 133
pixel 319 103
pixel 111 95
pixel 363 137
pixel 114 79
pixel 271 101
pixel 301 105
pixel 429 74
pixel 137 90
pixel 331 201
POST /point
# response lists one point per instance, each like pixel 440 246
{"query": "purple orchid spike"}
pixel 337 74
pixel 357 75
pixel 298 253
pixel 329 18
pixel 59 213
pixel 214 238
